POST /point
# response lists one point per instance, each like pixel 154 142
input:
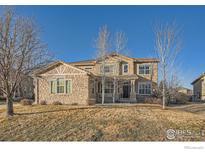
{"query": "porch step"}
pixel 127 101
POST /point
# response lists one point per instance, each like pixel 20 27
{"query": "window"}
pixel 68 86
pixel 107 69
pixel 60 86
pixel 109 87
pixel 144 88
pixel 99 87
pixel 198 95
pixel 144 69
pixel 53 87
pixel 125 68
pixel 93 86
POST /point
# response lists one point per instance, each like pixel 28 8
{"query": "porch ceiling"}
pixel 129 77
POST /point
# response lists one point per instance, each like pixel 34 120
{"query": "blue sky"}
pixel 70 31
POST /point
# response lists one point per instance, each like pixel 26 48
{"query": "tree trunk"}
pixel 9 102
pixel 164 95
pixel 103 89
pixel 114 91
pixel 164 90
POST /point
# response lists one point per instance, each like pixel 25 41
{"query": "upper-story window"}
pixel 108 69
pixel 144 69
pixel 125 68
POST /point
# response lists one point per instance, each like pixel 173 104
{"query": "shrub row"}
pixel 153 100
pixel 43 102
pixel 26 102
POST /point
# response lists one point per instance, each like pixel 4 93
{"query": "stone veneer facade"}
pixel 80 86
pixel 86 77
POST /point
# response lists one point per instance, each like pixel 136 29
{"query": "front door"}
pixel 126 91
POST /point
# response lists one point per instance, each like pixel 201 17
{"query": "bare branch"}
pixel 120 42
pixel 21 50
pixel 167 47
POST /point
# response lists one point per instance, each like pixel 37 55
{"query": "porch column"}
pixel 36 90
pixel 132 91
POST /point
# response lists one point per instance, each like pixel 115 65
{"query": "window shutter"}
pixel 52 87
pixel 68 86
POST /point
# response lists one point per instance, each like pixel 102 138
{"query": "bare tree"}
pixel 167 47
pixel 173 87
pixel 120 42
pixel 21 51
pixel 120 45
pixel 103 45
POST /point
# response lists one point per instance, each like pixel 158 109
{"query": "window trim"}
pixel 109 87
pixel 57 86
pixel 107 65
pixel 150 69
pixel 64 93
pixel 71 87
pixel 50 87
pixel 138 88
pixel 93 88
pixel 123 69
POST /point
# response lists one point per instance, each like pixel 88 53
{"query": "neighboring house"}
pixel 24 90
pixel 132 79
pixel 199 88
pixel 186 91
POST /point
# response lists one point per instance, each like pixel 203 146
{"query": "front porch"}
pixel 123 89
pixel 118 90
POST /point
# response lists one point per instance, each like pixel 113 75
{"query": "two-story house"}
pixel 199 88
pixel 126 79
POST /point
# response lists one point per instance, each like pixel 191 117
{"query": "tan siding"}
pixel 197 87
pixel 132 69
pixel 152 77
pixel 203 88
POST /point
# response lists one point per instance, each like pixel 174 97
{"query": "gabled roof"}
pixel 93 61
pixel 146 60
pixel 54 64
pixel 197 79
pixel 39 70
pixel 83 62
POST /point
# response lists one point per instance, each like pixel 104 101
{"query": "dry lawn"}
pixel 97 123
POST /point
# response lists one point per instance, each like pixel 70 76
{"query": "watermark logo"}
pixel 171 134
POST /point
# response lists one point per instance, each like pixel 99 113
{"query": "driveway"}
pixel 196 108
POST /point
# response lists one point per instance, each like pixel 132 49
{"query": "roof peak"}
pixel 117 54
pixel 202 75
